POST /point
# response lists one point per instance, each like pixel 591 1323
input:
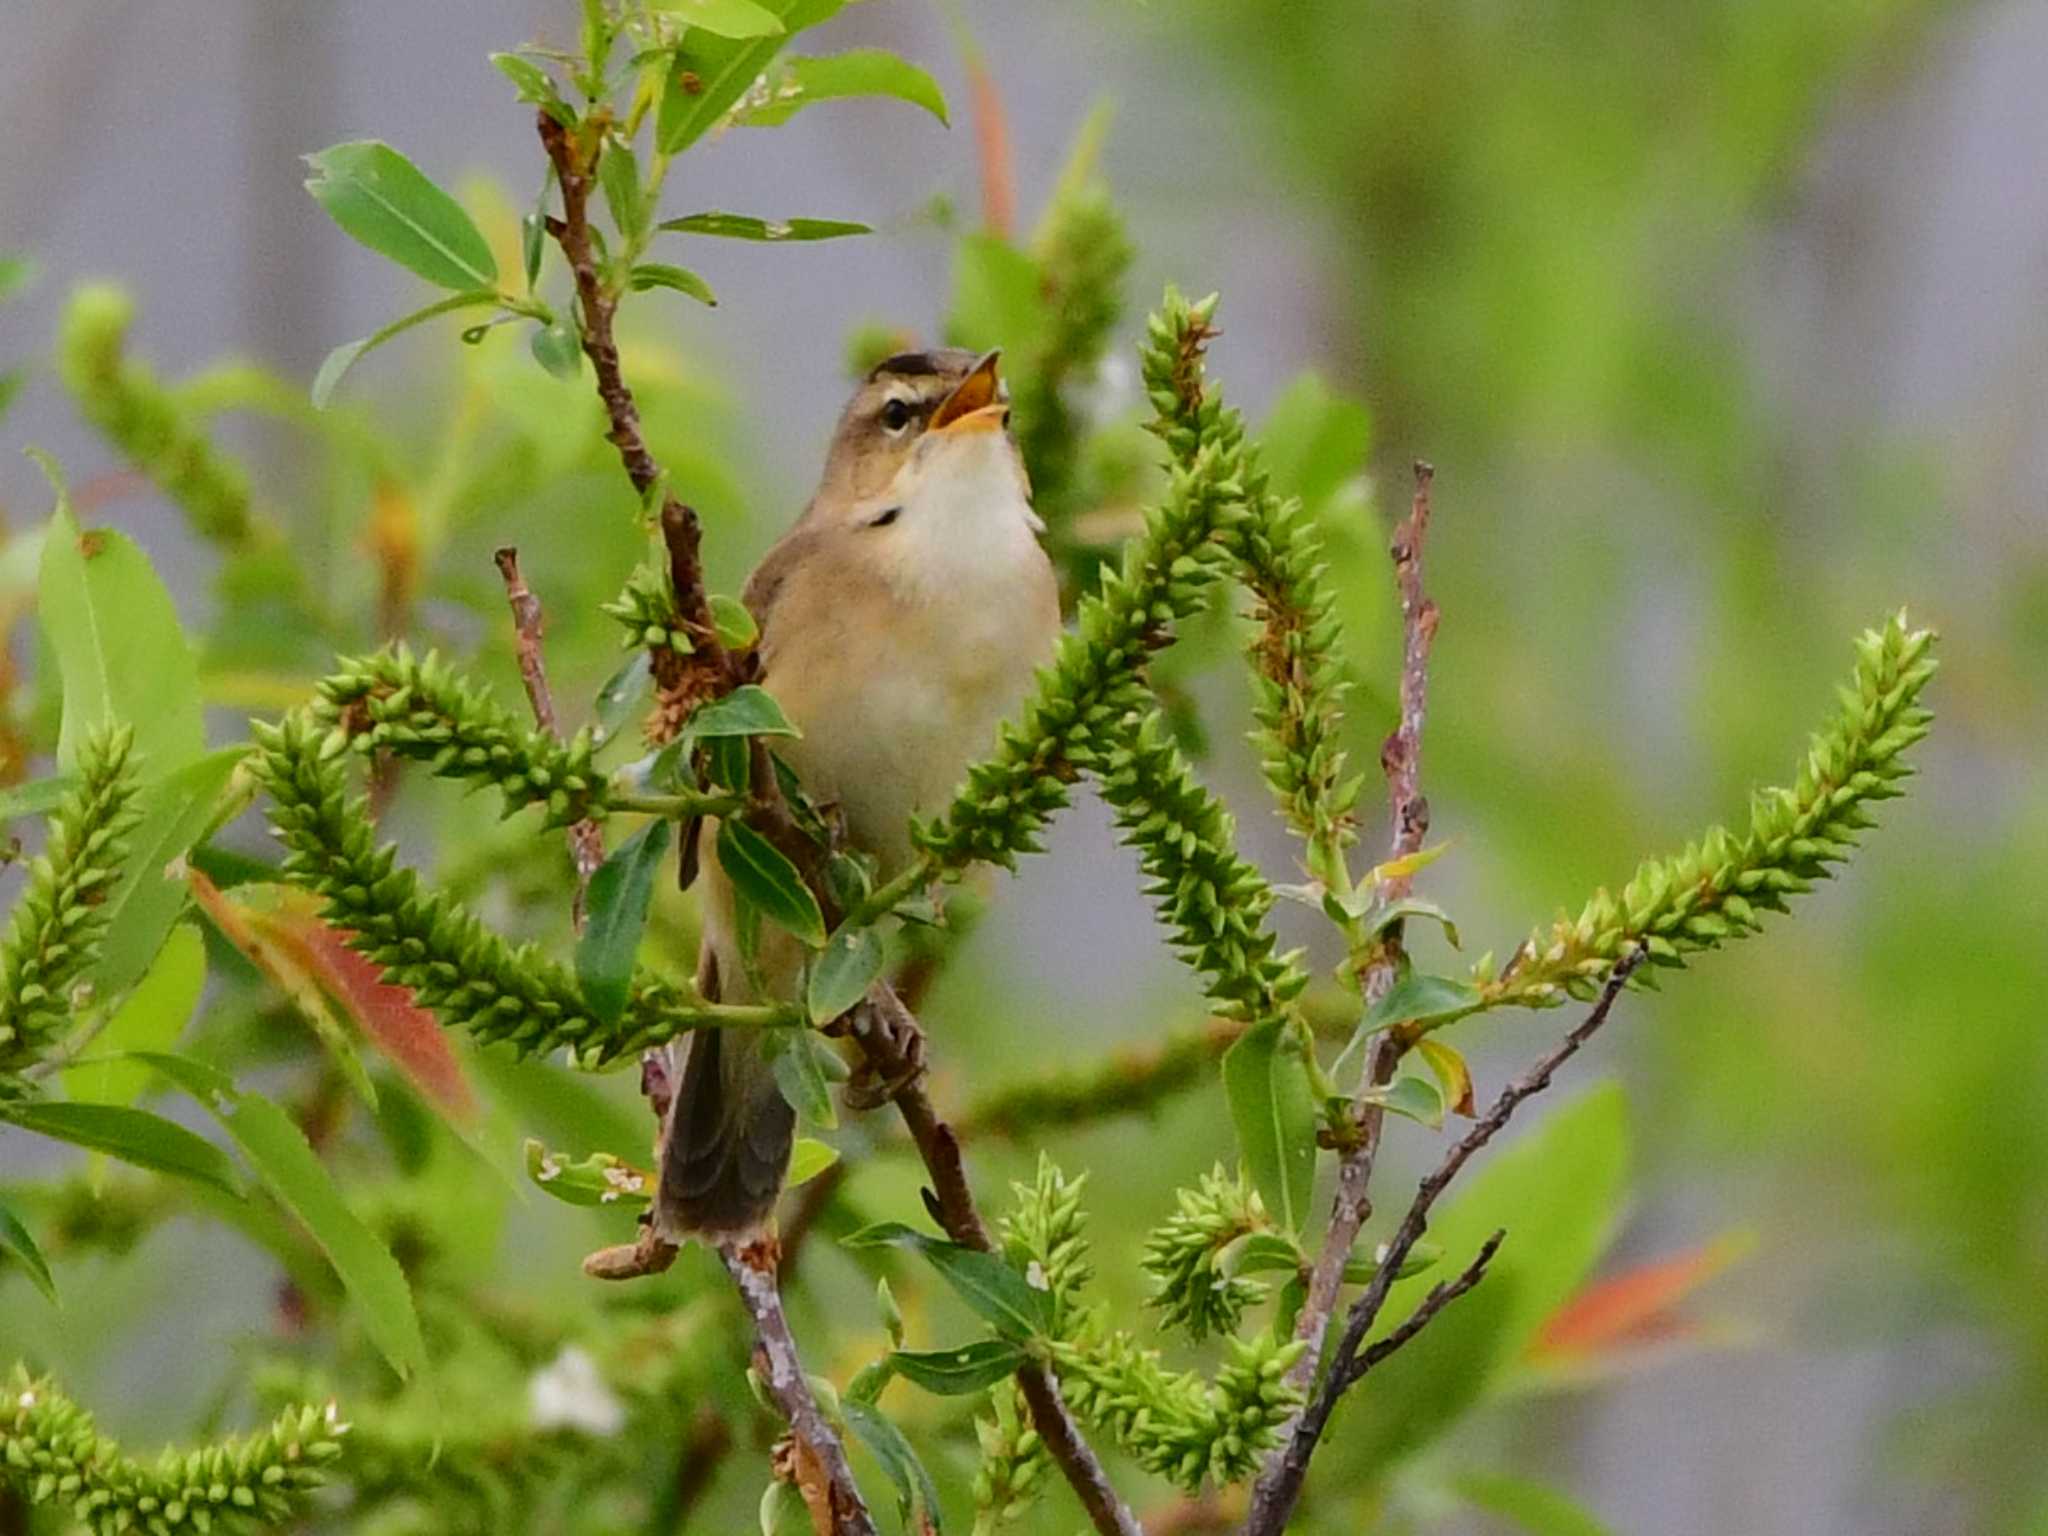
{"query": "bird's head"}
pixel 919 423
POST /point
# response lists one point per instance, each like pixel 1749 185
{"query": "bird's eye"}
pixel 895 416
pixel 884 519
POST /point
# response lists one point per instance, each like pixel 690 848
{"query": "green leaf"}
pixel 152 893
pixel 917 1500
pixel 1261 1253
pixel 769 882
pixel 998 298
pixel 857 72
pixel 801 1074
pixel 599 1179
pixel 1535 1507
pixel 37 798
pixel 659 274
pixel 741 226
pixel 1558 1192
pixel 16 1243
pixel 847 967
pixel 807 1159
pixel 132 1135
pixel 277 1149
pixel 1422 1256
pixel 749 710
pixel 957 1372
pixel 338 362
pixel 1273 1107
pixel 1383 918
pixel 1316 442
pixel 618 176
pixel 1425 1000
pixel 710 73
pixel 382 199
pixel 534 85
pixel 150 1019
pixel 119 651
pixel 734 622
pixel 615 915
pixel 557 348
pixel 725 18
pixel 1413 1098
pixel 999 1294
pixel 624 695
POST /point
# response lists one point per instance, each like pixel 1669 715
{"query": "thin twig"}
pixel 836 1508
pixel 1280 1484
pixel 1401 762
pixel 891 1039
pixel 529 624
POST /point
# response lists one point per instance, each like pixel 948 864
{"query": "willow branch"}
pixel 890 1038
pixel 835 1502
pixel 1401 762
pixel 1280 1486
pixel 529 625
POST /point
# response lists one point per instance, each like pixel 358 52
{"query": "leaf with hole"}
pixel 742 226
pixel 708 73
pixel 797 83
pixel 382 199
pixel 599 1179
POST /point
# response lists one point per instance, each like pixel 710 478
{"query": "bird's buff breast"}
pixel 893 712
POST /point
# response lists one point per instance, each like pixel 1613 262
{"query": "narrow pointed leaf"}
pixel 659 274
pixel 1413 1098
pixel 741 226
pixel 342 358
pixel 725 18
pixel 999 1294
pixel 132 1135
pixel 37 798
pixel 809 1158
pixel 709 73
pixel 800 1074
pixel 382 199
pixel 616 916
pixel 1274 1110
pixel 150 1018
pixel 18 1245
pixel 277 1149
pixel 120 653
pixel 769 882
pixel 1427 1001
pixel 957 1372
pixel 917 1499
pixel 857 72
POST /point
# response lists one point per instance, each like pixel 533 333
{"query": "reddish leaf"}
pixel 1633 1310
pixel 282 934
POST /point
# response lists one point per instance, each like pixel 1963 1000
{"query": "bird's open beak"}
pixel 976 404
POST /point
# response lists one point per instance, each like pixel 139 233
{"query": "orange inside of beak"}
pixel 976 400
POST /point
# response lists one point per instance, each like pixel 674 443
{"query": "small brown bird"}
pixel 901 619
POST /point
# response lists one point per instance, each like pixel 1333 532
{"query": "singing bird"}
pixel 902 618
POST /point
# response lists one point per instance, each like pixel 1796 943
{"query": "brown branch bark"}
pixel 890 1038
pixel 1401 762
pixel 1280 1484
pixel 529 625
pixel 834 1500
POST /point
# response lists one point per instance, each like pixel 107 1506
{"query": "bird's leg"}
pixel 892 1046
